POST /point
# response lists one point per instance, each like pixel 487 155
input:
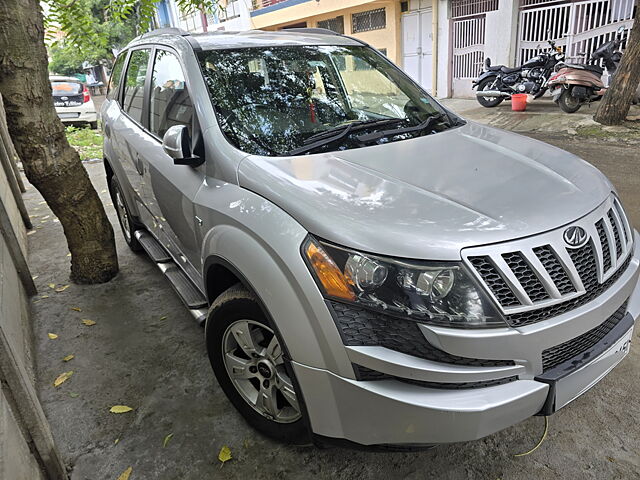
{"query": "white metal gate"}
pixel 579 27
pixel 467 42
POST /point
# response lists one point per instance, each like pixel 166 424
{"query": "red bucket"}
pixel 519 102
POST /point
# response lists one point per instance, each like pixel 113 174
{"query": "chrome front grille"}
pixel 541 277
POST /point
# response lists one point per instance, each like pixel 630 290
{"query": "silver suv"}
pixel 370 267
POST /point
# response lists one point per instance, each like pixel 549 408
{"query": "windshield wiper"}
pixel 330 136
pixel 428 123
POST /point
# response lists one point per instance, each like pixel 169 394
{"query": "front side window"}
pixel 170 103
pixel 114 80
pixel 294 100
pixel 134 84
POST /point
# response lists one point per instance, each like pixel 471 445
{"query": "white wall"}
pixel 501 33
pixel 442 87
pixel 239 24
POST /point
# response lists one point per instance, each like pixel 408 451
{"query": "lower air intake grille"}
pixel 366 374
pixel 361 327
pixel 554 356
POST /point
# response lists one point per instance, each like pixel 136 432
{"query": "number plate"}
pixel 572 386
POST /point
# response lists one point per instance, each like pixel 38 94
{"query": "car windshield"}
pixel 307 99
pixel 66 88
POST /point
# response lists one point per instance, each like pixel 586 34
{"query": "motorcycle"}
pixel 573 85
pixel 497 83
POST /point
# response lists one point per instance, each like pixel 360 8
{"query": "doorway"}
pixel 417 46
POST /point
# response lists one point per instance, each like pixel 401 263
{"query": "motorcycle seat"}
pixel 495 68
pixel 590 68
pixel 509 69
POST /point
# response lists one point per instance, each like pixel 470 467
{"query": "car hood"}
pixel 429 197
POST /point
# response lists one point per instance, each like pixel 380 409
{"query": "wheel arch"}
pixel 287 293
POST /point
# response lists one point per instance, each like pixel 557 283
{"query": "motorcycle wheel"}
pixel 488 102
pixel 568 103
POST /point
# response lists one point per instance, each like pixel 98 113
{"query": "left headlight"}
pixel 440 293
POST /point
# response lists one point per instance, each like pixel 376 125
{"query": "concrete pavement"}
pixel 145 351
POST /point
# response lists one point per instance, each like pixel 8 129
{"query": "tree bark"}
pixel 616 102
pixel 50 163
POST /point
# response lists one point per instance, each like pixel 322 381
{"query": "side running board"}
pixel 184 287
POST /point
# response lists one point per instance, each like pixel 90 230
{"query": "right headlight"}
pixel 441 293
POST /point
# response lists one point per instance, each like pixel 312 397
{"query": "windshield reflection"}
pixel 272 101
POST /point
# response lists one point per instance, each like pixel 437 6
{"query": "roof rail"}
pixel 166 31
pixel 324 31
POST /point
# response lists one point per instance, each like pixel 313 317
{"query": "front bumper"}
pixel 389 411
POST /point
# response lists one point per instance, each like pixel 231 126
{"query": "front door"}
pixel 168 189
pixel 417 46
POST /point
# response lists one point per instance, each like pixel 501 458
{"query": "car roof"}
pixel 220 39
pixel 62 78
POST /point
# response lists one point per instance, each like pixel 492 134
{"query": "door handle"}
pixel 139 164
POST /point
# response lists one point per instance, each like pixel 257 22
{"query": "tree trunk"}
pixel 50 163
pixel 615 105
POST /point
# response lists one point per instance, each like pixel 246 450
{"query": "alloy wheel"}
pixel 254 362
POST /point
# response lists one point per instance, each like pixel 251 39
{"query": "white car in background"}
pixel 72 101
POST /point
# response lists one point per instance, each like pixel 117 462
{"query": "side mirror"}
pixel 177 145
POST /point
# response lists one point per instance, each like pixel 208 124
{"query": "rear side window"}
pixel 170 102
pixel 66 88
pixel 134 84
pixel 116 74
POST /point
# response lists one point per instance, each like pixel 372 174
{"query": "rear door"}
pixel 169 189
pixel 127 130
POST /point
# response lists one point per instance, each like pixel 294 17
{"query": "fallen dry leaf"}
pixel 88 322
pixel 63 377
pixel 225 454
pixel 62 289
pixel 74 395
pixel 68 357
pixel 68 254
pixel 164 317
pixel 120 409
pixel 167 439
pixel 52 285
pixel 76 309
pixel 44 296
pixel 52 336
pixel 115 442
pixel 31 232
pixel 126 474
pixel 34 277
pixel 41 203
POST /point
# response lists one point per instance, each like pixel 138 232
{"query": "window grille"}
pixel 464 8
pixel 369 20
pixel 334 24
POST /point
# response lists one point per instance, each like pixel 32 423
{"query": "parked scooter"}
pixel 497 83
pixel 573 84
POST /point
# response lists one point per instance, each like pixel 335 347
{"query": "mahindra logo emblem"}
pixel 64 98
pixel 575 236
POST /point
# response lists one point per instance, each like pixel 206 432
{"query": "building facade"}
pixel 442 44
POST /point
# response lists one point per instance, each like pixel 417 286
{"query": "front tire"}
pixel 568 103
pixel 127 222
pixel 251 365
pixel 488 102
